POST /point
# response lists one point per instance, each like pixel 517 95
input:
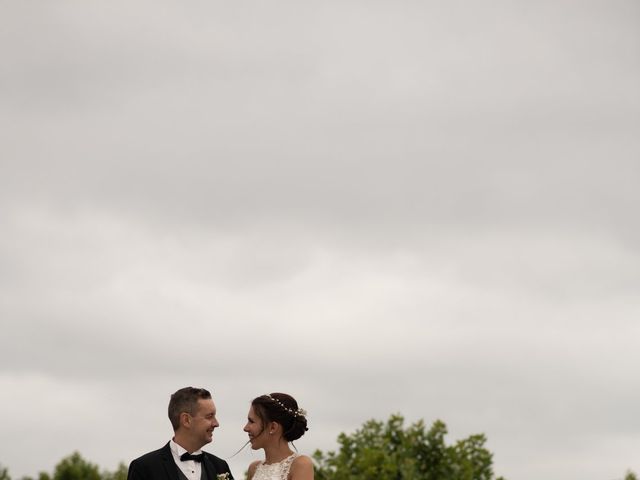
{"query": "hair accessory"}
pixel 296 413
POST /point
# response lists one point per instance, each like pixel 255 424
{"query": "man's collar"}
pixel 178 449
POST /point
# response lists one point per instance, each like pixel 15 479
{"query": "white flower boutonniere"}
pixel 223 476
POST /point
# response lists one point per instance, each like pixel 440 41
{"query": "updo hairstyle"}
pixel 283 409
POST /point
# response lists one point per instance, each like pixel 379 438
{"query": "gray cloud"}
pixel 380 208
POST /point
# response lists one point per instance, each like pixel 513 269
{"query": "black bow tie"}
pixel 187 456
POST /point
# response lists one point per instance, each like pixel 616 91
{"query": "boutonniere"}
pixel 223 476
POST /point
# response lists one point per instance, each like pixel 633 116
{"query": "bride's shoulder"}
pixel 302 459
pixel 252 468
pixel 302 467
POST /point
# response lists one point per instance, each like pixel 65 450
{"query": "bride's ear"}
pixel 274 427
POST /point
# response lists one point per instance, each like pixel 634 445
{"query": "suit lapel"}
pixel 169 466
pixel 209 468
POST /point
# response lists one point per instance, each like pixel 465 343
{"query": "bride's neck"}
pixel 276 453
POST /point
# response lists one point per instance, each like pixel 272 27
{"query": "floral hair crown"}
pixel 296 413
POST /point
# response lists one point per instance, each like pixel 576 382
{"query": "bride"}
pixel 274 421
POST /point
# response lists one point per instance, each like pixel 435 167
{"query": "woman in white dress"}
pixel 274 421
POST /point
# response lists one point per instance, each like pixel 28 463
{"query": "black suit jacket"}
pixel 159 465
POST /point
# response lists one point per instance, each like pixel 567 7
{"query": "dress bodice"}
pixel 274 471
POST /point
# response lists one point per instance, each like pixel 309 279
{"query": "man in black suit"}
pixel 193 417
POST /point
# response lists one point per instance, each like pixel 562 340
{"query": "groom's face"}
pixel 204 421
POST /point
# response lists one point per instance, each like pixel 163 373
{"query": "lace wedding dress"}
pixel 274 471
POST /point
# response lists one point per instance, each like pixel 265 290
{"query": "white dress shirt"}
pixel 191 468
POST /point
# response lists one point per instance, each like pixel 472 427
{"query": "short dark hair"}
pixel 185 400
pixel 283 409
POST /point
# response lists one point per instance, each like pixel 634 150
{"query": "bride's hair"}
pixel 283 409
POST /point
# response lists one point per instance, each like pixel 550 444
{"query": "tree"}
pixel 41 476
pixel 388 451
pixel 74 467
pixel 4 473
pixel 630 475
pixel 119 474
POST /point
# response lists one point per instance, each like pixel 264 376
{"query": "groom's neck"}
pixel 187 443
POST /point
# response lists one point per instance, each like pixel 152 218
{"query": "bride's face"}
pixel 255 429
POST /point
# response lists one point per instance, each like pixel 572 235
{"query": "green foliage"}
pixel 41 476
pixel 74 467
pixel 119 474
pixel 388 451
pixel 630 475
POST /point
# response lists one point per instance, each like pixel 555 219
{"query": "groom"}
pixel 193 417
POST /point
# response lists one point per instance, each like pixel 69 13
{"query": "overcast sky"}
pixel 428 208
